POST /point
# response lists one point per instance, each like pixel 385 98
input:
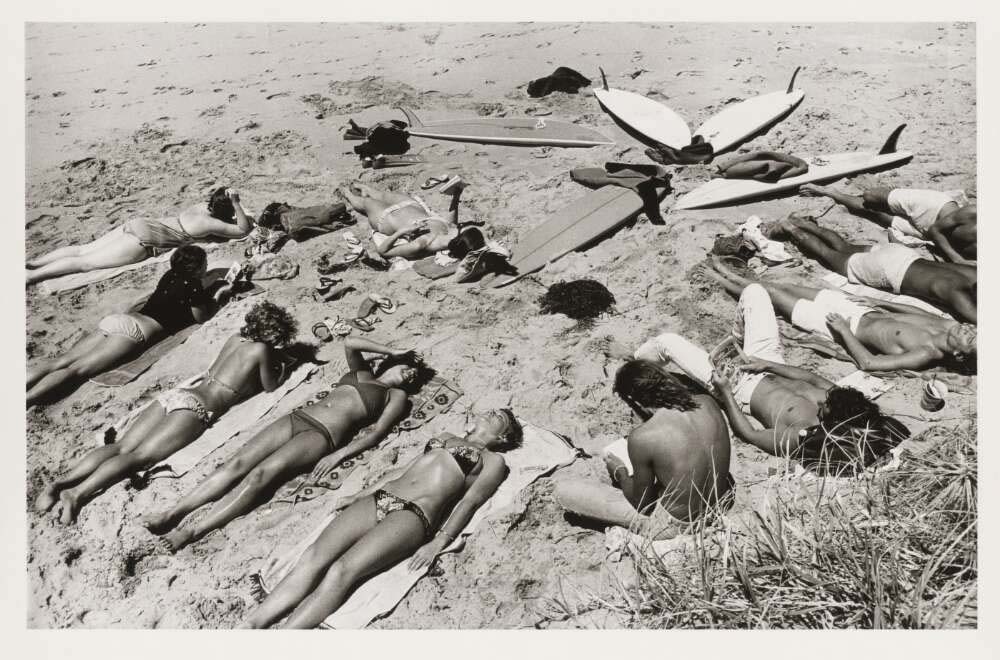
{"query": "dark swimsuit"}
pixel 374 397
pixel 465 456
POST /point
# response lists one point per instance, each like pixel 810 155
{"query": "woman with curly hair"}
pixel 250 362
pixel 416 510
pixel 178 301
pixel 297 442
pixel 138 239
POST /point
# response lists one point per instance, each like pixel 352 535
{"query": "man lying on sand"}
pixel 679 454
pixel 888 266
pixel 769 166
pixel 924 214
pixel 143 238
pixel 804 415
pixel 413 511
pixel 878 335
pixel 399 216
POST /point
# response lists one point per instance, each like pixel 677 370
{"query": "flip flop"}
pixel 364 325
pixel 326 283
pixel 383 302
pixel 434 181
pixel 325 329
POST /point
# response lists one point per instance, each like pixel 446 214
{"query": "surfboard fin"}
pixel 791 83
pixel 890 144
pixel 604 79
pixel 411 118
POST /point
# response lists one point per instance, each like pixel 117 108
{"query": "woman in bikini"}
pixel 296 443
pixel 178 301
pixel 142 238
pixel 399 217
pixel 415 510
pixel 250 362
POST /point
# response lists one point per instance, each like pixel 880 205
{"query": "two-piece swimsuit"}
pixel 184 398
pixel 466 458
pixel 156 236
pixel 374 397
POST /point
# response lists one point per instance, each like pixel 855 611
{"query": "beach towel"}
pixel 129 371
pixel 542 453
pixel 78 280
pixel 436 267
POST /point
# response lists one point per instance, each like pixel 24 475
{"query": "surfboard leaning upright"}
pixel 517 132
pixel 830 167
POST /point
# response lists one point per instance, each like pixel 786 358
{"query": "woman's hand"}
pixel 428 552
pixel 344 502
pixel 327 463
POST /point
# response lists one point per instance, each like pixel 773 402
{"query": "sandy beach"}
pixel 145 119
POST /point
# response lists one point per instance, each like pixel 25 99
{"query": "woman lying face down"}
pixel 415 511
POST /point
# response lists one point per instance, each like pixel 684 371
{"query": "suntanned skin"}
pixel 763 166
pixel 953 232
pixel 951 286
pixel 892 336
pixel 427 236
pixel 119 249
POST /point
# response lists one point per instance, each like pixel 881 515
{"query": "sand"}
pixel 144 119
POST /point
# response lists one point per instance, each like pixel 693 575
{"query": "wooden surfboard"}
pixel 521 132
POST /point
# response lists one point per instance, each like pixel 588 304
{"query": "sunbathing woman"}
pixel 415 510
pixel 142 238
pixel 768 166
pixel 399 216
pixel 248 364
pixel 178 301
pixel 295 443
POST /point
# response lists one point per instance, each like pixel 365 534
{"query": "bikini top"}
pixel 466 457
pixel 212 378
pixel 374 395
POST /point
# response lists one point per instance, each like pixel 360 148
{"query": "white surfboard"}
pixel 737 123
pixel 724 192
pixel 651 122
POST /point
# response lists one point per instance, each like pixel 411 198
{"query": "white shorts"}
pixel 811 315
pixel 920 207
pixel 882 267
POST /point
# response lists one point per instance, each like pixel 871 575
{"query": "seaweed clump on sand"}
pixel 581 300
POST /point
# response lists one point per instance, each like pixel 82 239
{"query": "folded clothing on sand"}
pixel 541 453
pixel 562 79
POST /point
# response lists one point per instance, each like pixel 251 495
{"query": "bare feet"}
pixel 67 508
pixel 175 540
pixel 812 190
pixel 157 523
pixel 47 498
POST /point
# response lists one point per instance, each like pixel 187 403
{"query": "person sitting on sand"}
pixel 804 415
pixel 298 442
pixel 923 214
pixel 878 335
pixel 249 363
pixel 418 509
pixel 399 216
pixel 679 454
pixel 178 301
pixel 769 166
pixel 142 238
pixel 888 266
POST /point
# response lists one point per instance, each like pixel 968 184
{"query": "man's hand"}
pixel 233 195
pixel 838 323
pixel 721 381
pixel 753 365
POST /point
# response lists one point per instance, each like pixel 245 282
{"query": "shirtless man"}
pixel 888 266
pixel 878 335
pixel 767 166
pixel 399 216
pixel 679 455
pixel 922 214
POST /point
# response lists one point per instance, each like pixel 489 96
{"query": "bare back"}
pixel 237 368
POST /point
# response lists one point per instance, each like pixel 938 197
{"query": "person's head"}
pixel 270 324
pixel 497 430
pixel 189 261
pixel 961 341
pixel 847 407
pixel 848 449
pixel 646 386
pixel 407 372
pixel 468 240
pixel 220 206
pixel 270 217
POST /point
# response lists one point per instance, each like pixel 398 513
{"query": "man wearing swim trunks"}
pixel 922 214
pixel 679 454
pixel 878 335
pixel 891 267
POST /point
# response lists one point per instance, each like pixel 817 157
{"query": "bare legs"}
pixel 824 245
pixel 153 436
pixel 269 460
pixel 351 548
pixel 95 353
pixel 855 204
pixel 783 296
pixel 111 250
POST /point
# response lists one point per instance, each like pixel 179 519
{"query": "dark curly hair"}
pixel 848 407
pixel 270 217
pixel 514 436
pixel 645 383
pixel 578 299
pixel 187 260
pixel 220 206
pixel 468 240
pixel 270 324
pixel 424 372
pixel 848 450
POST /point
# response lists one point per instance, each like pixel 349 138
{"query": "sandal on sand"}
pixel 364 325
pixel 326 283
pixel 383 302
pixel 327 328
pixel 453 185
pixel 434 181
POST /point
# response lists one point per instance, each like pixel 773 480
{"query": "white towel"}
pixel 542 452
pixel 871 386
pixel 77 280
pixel 619 449
pixel 771 251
